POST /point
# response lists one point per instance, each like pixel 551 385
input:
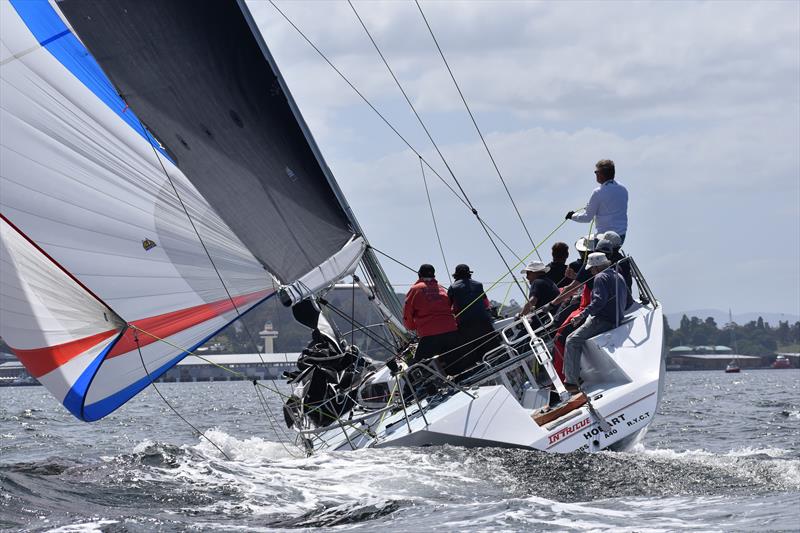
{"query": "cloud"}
pixel 697 102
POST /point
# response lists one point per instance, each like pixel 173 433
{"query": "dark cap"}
pixel 462 271
pixel 426 271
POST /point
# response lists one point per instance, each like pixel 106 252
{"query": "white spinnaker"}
pixel 90 190
pixel 57 327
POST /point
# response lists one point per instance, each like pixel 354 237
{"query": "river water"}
pixel 723 454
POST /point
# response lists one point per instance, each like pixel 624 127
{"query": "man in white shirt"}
pixel 608 203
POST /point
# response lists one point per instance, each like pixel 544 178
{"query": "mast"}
pixel 382 285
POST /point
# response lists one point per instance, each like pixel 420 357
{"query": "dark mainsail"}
pixel 197 77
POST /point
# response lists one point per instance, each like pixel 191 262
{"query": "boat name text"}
pixel 569 430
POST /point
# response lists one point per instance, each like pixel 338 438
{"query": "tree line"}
pixel 756 337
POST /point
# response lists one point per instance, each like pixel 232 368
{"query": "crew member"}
pixel 609 243
pixel 608 204
pixel 472 310
pixel 604 312
pixel 427 311
pixel 542 289
pixel 558 266
pixel 577 296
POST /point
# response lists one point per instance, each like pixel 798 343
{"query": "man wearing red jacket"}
pixel 427 311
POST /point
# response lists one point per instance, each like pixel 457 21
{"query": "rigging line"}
pixel 262 400
pixel 521 261
pixel 213 363
pixel 435 145
pixel 411 105
pixel 433 216
pixel 389 329
pixel 355 322
pixel 153 384
pixel 389 124
pixel 208 254
pixel 475 123
pixel 387 256
pixel 186 211
pixel 353 312
pixel 209 361
pixel 505 299
pixel 364 98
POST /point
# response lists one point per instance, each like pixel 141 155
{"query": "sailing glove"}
pixel 569 214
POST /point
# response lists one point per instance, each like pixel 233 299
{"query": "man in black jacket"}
pixel 471 308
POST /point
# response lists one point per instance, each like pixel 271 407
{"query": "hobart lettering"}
pixel 611 422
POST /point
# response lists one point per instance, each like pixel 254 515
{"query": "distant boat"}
pixel 782 362
pixel 733 366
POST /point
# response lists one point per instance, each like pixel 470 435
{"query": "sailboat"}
pixel 159 182
pixel 733 366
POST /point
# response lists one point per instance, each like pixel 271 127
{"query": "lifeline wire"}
pixel 475 123
pixel 435 145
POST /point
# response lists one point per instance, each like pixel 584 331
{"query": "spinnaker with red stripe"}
pixel 134 229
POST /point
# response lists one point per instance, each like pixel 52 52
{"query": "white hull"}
pixel 622 372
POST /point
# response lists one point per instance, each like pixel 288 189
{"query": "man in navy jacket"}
pixel 604 312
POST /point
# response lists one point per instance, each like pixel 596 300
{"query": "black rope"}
pixel 153 384
pixel 353 311
pixel 433 216
pixel 486 226
pixel 475 123
pixel 387 256
pixel 435 145
pixel 378 340
pixel 387 330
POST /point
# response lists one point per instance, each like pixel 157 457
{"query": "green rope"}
pixel 521 261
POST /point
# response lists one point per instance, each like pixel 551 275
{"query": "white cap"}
pixel 536 266
pixel 587 243
pixel 597 259
pixel 613 236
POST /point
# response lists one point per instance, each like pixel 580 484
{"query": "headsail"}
pixel 179 231
pixel 106 208
pixel 198 79
pixel 205 82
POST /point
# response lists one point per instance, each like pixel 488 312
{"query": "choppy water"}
pixel 722 455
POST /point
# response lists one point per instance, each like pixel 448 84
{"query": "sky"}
pixel 698 104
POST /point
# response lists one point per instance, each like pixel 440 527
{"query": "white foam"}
pixel 250 449
pixel 268 480
pixel 83 527
pixel 533 513
pixel 786 471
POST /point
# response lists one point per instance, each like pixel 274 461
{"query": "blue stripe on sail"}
pixel 51 32
pixel 107 405
pixel 73 401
